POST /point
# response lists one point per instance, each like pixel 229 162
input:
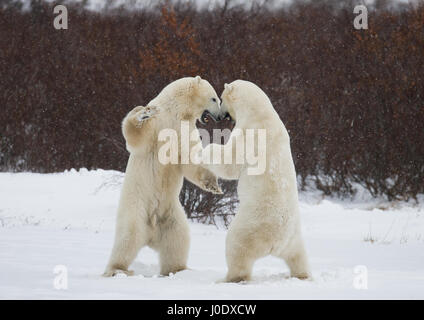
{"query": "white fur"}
pixel 149 210
pixel 267 221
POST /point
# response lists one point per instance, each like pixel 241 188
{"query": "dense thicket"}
pixel 351 99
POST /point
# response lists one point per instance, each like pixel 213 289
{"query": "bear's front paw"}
pixel 144 114
pixel 211 185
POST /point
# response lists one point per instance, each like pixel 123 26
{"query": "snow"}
pixel 49 220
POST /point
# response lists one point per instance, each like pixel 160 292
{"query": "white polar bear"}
pixel 268 220
pixel 149 210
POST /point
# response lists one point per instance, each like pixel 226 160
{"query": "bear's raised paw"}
pixel 144 113
pixel 212 185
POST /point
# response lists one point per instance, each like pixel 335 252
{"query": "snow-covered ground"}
pixel 68 219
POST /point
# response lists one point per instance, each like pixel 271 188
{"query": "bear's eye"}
pixel 213 99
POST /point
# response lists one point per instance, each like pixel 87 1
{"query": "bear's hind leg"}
pixel 174 245
pixel 297 262
pixel 123 254
pixel 242 250
pixel 239 269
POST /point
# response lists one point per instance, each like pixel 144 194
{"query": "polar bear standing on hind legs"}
pixel 149 211
pixel 267 222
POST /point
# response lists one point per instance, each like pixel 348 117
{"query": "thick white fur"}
pixel 267 221
pixel 149 210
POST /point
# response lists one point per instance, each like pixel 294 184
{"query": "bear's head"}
pixel 243 100
pixel 188 99
pixel 204 100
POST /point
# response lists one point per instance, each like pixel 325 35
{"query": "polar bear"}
pixel 149 211
pixel 267 222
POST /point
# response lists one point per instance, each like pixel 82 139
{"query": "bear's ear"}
pixel 228 87
pixel 198 79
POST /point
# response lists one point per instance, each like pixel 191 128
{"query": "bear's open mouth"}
pixel 204 119
pixel 206 115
